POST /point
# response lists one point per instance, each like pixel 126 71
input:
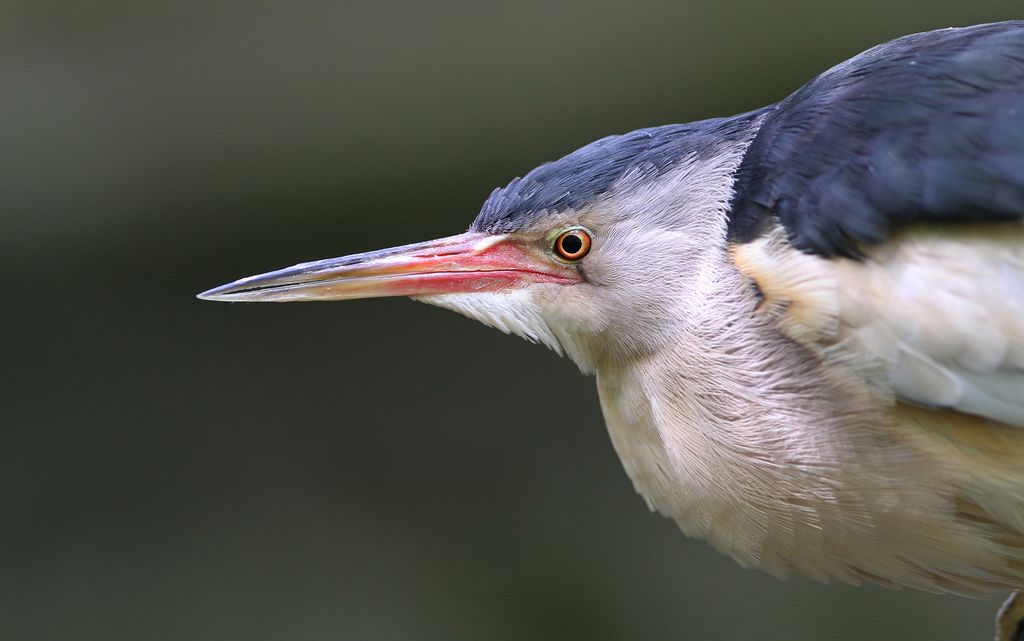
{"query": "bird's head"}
pixel 591 253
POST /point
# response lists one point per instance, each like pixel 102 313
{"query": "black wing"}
pixel 927 128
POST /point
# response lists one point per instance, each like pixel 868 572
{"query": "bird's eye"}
pixel 573 244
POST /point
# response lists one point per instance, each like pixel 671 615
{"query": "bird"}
pixel 805 321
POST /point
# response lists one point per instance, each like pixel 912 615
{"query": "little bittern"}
pixel 806 321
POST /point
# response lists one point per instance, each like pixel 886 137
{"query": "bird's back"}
pixel 903 171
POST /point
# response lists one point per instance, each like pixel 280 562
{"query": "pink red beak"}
pixel 470 262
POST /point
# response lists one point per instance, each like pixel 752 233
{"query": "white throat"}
pixel 512 312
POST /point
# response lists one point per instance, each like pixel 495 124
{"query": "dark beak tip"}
pixel 217 294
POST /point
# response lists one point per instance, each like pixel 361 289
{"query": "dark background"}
pixel 182 470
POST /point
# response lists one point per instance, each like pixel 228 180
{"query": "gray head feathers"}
pixel 591 171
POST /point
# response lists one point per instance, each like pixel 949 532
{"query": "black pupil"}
pixel 571 243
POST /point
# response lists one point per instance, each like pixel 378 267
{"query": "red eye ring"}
pixel 573 244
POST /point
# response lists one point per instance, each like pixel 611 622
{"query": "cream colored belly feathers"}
pixel 866 423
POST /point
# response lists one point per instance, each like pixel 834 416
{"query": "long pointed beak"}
pixel 470 262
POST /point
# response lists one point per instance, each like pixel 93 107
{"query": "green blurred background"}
pixel 179 470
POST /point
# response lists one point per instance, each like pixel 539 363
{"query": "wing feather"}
pixel 850 208
pixel 935 315
pixel 925 129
